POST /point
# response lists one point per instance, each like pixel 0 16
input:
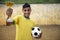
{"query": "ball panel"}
pixel 36 32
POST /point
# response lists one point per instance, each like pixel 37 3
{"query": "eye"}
pixel 28 10
pixel 38 29
pixel 24 10
pixel 32 28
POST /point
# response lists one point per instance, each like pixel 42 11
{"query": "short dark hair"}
pixel 26 5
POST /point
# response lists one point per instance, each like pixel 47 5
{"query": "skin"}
pixel 26 12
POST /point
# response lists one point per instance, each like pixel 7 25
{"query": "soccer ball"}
pixel 36 32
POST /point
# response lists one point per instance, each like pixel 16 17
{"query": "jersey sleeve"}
pixel 16 19
pixel 33 23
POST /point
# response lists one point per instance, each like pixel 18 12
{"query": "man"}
pixel 24 24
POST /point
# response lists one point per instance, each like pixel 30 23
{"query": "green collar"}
pixel 26 17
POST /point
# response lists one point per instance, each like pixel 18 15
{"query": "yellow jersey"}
pixel 23 28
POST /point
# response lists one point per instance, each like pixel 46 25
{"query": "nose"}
pixel 35 33
pixel 27 11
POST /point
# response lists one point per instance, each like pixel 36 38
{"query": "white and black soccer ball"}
pixel 36 32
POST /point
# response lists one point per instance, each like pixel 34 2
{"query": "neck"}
pixel 26 17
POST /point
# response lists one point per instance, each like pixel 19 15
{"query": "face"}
pixel 27 12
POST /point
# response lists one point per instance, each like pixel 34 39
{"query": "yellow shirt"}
pixel 23 28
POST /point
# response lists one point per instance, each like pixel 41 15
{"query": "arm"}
pixel 15 20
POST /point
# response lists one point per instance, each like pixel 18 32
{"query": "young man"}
pixel 24 24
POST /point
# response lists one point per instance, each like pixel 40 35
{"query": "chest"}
pixel 25 23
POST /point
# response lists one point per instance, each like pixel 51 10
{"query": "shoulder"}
pixel 16 17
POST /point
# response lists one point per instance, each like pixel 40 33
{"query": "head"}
pixel 9 12
pixel 26 10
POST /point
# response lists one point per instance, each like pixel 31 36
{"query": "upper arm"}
pixel 16 19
